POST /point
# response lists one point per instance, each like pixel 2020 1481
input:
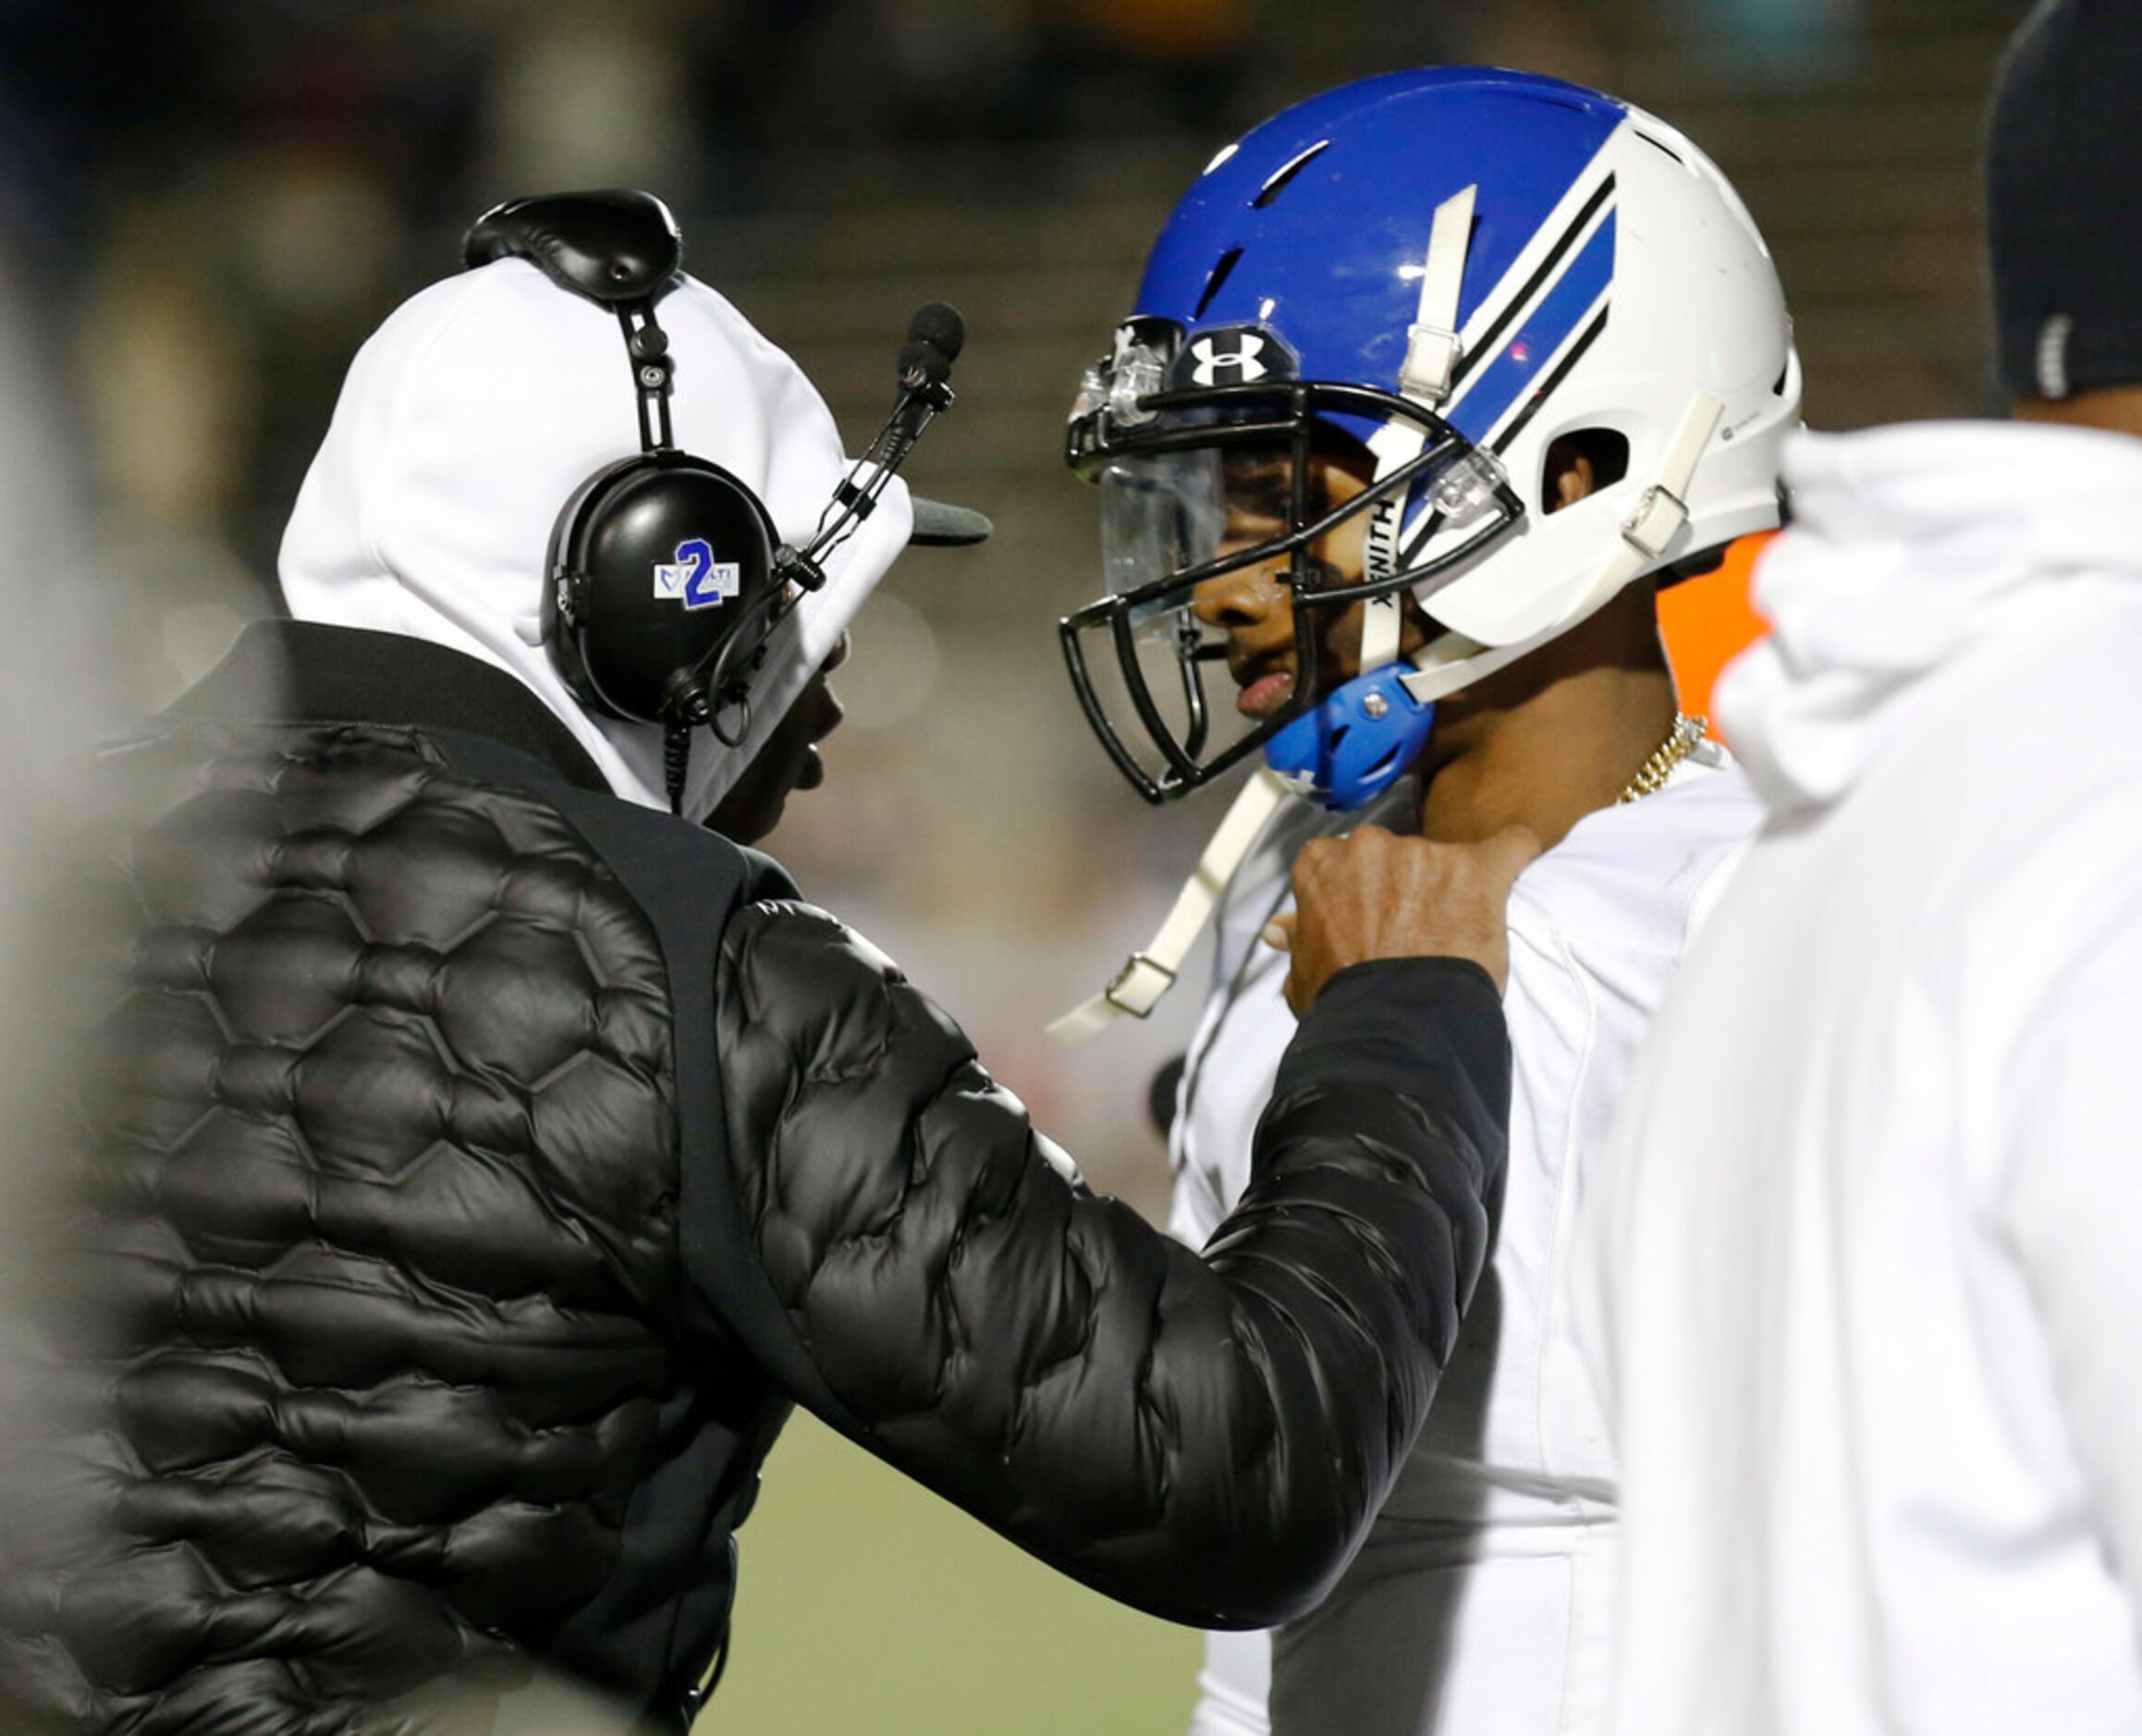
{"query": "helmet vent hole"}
pixel 1220 272
pixel 1277 183
pixel 1604 451
pixel 1340 735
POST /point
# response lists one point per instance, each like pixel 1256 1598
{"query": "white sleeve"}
pixel 2073 1204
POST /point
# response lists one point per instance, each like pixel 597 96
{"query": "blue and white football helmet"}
pixel 1440 273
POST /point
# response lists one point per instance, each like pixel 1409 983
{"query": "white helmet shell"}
pixel 1691 317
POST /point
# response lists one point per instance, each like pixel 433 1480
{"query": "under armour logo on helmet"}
pixel 1229 359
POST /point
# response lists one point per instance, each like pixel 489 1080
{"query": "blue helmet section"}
pixel 1357 742
pixel 1513 373
pixel 1330 259
pixel 1315 227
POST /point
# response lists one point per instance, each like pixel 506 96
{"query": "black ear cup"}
pixel 659 565
pixel 661 584
pixel 665 578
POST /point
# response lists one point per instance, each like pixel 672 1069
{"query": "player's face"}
pixel 787 762
pixel 1255 606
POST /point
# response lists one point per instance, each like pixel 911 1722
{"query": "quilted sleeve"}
pixel 1205 1437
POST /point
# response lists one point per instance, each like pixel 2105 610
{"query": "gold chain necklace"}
pixel 1652 775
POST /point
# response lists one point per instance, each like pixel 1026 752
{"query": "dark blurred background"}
pixel 208 205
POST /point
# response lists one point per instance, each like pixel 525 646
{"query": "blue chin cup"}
pixel 1356 743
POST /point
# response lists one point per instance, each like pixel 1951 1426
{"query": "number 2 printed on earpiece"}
pixel 695 578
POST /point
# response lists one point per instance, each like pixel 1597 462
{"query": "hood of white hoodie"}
pixel 467 421
pixel 1909 546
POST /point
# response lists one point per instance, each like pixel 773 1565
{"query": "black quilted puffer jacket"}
pixel 483 1165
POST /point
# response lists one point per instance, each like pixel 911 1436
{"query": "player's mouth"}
pixel 1264 690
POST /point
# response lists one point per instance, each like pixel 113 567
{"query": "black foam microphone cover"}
pixel 938 325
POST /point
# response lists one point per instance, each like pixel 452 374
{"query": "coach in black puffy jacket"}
pixel 486 1159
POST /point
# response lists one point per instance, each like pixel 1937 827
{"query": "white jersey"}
pixel 1863 1277
pixel 1483 1602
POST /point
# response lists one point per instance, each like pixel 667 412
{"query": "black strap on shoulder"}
pixel 615 246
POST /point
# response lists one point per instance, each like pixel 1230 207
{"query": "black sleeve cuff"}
pixel 1399 1022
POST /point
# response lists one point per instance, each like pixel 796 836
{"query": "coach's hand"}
pixel 1373 895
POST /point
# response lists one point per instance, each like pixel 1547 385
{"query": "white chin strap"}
pixel 1380 620
pixel 1150 972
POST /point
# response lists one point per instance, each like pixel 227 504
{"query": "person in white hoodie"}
pixel 1863 1289
pixel 1450 369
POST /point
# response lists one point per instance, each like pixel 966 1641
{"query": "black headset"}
pixel 665 577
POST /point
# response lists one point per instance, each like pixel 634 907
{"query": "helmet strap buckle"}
pixel 1431 361
pixel 1658 520
pixel 1138 987
pixel 1663 510
pixel 1433 347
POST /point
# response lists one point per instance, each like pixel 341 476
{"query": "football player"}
pixel 1432 382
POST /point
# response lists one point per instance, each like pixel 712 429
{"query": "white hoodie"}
pixel 1864 1288
pixel 476 411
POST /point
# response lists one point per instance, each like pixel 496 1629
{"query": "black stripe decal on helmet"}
pixel 1491 339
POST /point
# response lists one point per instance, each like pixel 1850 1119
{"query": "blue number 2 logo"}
pixel 694 577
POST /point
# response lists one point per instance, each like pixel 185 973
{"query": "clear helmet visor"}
pixel 1160 516
pixel 1194 546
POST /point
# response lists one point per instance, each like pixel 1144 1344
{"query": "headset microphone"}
pixel 936 336
pixel 718 685
pixel 666 577
pixel 938 325
pixel 922 367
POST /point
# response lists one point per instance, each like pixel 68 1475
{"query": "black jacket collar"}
pixel 354 675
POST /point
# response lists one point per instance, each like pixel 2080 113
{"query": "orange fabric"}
pixel 1709 621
